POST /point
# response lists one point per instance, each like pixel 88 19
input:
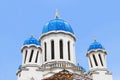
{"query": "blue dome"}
pixel 95 45
pixel 31 40
pixel 56 25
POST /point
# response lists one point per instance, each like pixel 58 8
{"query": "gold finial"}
pixel 64 66
pixel 94 38
pixel 56 14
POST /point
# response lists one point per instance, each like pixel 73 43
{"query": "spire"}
pixel 56 14
pixel 94 38
pixel 31 35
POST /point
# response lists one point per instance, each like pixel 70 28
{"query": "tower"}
pixel 97 62
pixel 57 42
pixel 31 60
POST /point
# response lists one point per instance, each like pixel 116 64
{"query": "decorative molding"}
pixel 57 32
pixel 29 46
pixel 96 50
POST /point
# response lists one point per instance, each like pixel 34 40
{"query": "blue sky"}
pixel 88 18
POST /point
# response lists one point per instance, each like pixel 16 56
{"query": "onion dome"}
pixel 95 45
pixel 57 25
pixel 31 40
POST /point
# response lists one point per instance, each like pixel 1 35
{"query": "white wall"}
pixel 27 75
pixel 57 37
pixel 102 76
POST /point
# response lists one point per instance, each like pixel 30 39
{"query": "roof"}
pixel 57 25
pixel 95 45
pixel 31 40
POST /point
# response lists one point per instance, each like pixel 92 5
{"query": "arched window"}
pixel 52 50
pixel 45 51
pixel 95 60
pixel 68 50
pixel 31 55
pixel 100 59
pixel 61 49
pixel 36 57
pixel 25 56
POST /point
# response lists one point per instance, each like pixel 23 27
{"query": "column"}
pixel 28 55
pixel 57 47
pixel 92 60
pixel 74 57
pixel 98 60
pixel 23 58
pixel 48 50
pixel 103 59
pixel 65 50
pixel 34 56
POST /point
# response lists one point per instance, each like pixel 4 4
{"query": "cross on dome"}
pixel 94 38
pixel 57 25
pixel 56 14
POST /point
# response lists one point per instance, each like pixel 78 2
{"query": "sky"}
pixel 88 18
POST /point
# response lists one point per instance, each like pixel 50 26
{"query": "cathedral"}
pixel 52 57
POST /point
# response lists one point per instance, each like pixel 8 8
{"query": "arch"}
pixel 100 59
pixel 52 50
pixel 61 49
pixel 68 50
pixel 45 44
pixel 31 55
pixel 95 60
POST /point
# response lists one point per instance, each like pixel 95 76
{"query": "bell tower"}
pixel 97 62
pixel 31 52
pixel 58 41
pixel 31 60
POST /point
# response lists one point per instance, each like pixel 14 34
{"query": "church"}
pixel 52 56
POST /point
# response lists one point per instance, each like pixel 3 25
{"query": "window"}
pixel 45 51
pixel 52 49
pixel 95 60
pixel 68 50
pixel 25 56
pixel 31 56
pixel 100 59
pixel 61 49
pixel 36 57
